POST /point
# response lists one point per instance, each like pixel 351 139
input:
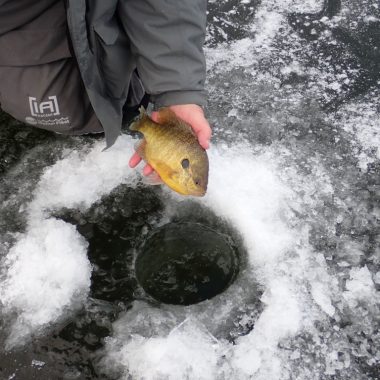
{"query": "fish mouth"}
pixel 194 193
pixel 199 193
pixel 184 190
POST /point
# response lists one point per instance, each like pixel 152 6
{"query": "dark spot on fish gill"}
pixel 185 163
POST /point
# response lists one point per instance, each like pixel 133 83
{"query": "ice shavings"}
pixel 256 354
pixel 47 272
pixel 360 286
pixel 269 21
pixel 258 197
pixel 320 293
pixel 256 204
pixel 186 352
pixel 361 118
pixel 83 177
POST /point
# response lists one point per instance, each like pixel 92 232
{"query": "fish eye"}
pixel 185 163
pixel 197 181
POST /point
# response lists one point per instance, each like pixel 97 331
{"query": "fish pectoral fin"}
pixel 140 148
pixel 164 170
pixel 152 179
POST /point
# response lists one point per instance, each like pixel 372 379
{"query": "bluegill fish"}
pixel 172 149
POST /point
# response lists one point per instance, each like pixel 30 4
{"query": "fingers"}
pixel 154 116
pixel 134 160
pixel 203 131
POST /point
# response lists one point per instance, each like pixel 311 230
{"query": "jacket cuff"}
pixel 179 97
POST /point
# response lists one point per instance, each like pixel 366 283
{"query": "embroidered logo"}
pixel 44 114
pixel 48 108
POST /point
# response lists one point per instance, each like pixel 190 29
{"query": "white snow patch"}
pixel 48 273
pixel 359 287
pixel 256 354
pixel 188 351
pixel 83 177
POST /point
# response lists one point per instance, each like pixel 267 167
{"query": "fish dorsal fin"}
pixel 140 121
pixel 167 116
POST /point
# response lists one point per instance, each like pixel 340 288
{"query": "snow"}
pixel 360 286
pixel 186 351
pixel 48 272
pixel 83 177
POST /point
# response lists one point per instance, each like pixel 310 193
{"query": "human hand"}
pixel 194 116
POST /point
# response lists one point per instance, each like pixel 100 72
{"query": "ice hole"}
pixel 186 263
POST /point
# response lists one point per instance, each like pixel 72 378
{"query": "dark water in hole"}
pixel 316 113
pixel 186 263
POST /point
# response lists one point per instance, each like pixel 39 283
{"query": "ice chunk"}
pixel 188 351
pixel 321 296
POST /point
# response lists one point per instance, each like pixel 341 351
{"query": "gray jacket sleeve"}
pixel 167 39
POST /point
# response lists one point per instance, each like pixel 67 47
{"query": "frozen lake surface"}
pixel 294 99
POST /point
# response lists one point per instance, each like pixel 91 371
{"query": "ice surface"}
pixel 288 176
pixel 362 121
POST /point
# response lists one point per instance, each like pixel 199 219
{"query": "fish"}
pixel 171 147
